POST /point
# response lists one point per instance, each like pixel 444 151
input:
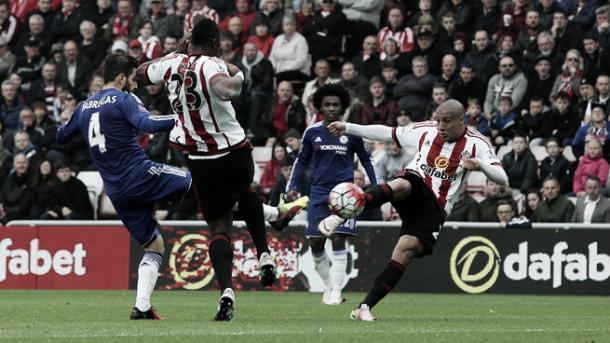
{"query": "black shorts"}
pixel 219 183
pixel 420 213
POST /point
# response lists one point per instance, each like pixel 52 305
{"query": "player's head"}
pixel 120 70
pixel 449 117
pixel 205 37
pixel 331 100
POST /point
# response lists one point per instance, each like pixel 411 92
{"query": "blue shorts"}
pixel 136 208
pixel 317 212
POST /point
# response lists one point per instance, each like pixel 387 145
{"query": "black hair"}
pixel 504 202
pixel 205 32
pixel 554 139
pixel 594 178
pixel 331 90
pixel 114 65
pixel 287 161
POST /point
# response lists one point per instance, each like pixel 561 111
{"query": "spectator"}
pixel 488 17
pixel 75 70
pixel 199 8
pixel 36 28
pixel 237 31
pixel 464 14
pixel 91 44
pixel 459 46
pixel 71 199
pixel 175 21
pixel 493 193
pixel 292 138
pixel 43 185
pixel 367 214
pixel 426 46
pixel 322 72
pixel 448 75
pixel 154 98
pixel 548 49
pixel 592 207
pixel 289 53
pixel 95 85
pixel 597 129
pixel 448 30
pixel 271 170
pixel 392 162
pixel 57 52
pixel 466 209
pixel 508 83
pixel 244 11
pixel 367 62
pixel 9 25
pixel 503 122
pixel 355 84
pixel 526 40
pixel 602 86
pixel 506 216
pixel 439 95
pixel 159 19
pixel 555 208
pixel 258 90
pixel 6 162
pixel 540 83
pixel 44 8
pixel 324 30
pixel 124 24
pixel 467 86
pixel 261 37
pixel 151 44
pixel 587 94
pixel 28 124
pixel 506 47
pixel 592 163
pixel 45 124
pixel 398 30
pixel 23 145
pixel 7 59
pixel 363 18
pixel 287 111
pixel 476 118
pixel 569 79
pixel 272 14
pixel 520 165
pixel 380 109
pixel 280 186
pixel 482 56
pixel 390 54
pixel 170 44
pixel 28 67
pixel 513 18
pixel 563 120
pixel 228 49
pixel 547 9
pixel 16 192
pixel 602 26
pixel 65 23
pixel 532 200
pixel 9 106
pixel 582 12
pixel 99 13
pixel 136 51
pixel 567 34
pixel 413 91
pixel 389 74
pixel 532 121
pixel 594 57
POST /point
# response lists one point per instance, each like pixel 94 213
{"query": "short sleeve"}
pixel 214 68
pixel 159 71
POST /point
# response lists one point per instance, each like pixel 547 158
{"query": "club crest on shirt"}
pixel 441 162
pixel 343 139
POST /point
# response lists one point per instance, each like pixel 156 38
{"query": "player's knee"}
pixel 407 248
pixel 338 242
pixel 317 244
pixel 157 245
pixel 401 188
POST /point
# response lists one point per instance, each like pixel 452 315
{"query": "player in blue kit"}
pixel 110 121
pixel 333 160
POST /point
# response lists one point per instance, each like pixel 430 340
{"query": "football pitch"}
pixel 102 316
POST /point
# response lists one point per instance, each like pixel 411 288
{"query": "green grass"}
pixel 102 316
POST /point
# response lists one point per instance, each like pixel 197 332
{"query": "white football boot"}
pixel 362 313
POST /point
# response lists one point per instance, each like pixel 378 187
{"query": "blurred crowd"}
pixel 532 74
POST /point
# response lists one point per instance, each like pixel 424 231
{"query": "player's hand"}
pixel 233 69
pixel 292 195
pixel 336 128
pixel 183 43
pixel 470 164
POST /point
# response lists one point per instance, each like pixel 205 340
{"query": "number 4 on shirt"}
pixel 96 137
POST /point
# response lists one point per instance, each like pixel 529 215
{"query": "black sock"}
pixel 251 210
pixel 384 283
pixel 221 254
pixel 377 195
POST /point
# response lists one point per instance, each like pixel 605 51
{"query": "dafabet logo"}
pixel 463 256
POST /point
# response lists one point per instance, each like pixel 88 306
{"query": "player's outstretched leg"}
pixel 148 272
pixel 279 217
pixel 337 270
pixel 321 264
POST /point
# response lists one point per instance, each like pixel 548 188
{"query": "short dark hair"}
pixel 204 33
pixel 562 96
pixel 536 98
pixel 331 90
pixel 550 178
pixel 504 202
pixel 594 178
pixel 118 64
pixel 554 139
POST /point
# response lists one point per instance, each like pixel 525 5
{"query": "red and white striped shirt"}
pixel 207 126
pixel 438 162
pixel 404 38
pixel 206 11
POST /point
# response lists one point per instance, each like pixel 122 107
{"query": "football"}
pixel 346 200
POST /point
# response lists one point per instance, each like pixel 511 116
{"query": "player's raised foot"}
pixel 151 314
pixel 333 298
pixel 267 270
pixel 329 224
pixel 362 313
pixel 224 312
pixel 288 211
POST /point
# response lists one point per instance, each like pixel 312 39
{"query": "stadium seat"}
pixel 95 187
pixel 505 149
pixel 261 154
pixel 539 152
pixel 569 154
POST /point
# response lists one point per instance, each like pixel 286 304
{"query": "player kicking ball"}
pixel 110 121
pixel 333 160
pixel 425 191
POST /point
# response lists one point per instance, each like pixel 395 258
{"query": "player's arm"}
pixel 152 72
pixel 140 118
pixel 367 162
pixel 226 83
pixel 69 129
pixel 487 162
pixel 301 163
pixel 404 136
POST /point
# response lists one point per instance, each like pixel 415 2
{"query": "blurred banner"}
pixel 538 261
pixel 56 257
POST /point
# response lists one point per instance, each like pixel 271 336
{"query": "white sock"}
pixel 148 271
pixel 322 265
pixel 271 213
pixel 338 269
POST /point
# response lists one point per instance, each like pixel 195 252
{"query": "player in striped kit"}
pixel 426 190
pixel 201 87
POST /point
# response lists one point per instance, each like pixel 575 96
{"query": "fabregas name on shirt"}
pixel 110 99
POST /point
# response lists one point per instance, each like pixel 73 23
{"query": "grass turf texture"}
pixel 103 316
